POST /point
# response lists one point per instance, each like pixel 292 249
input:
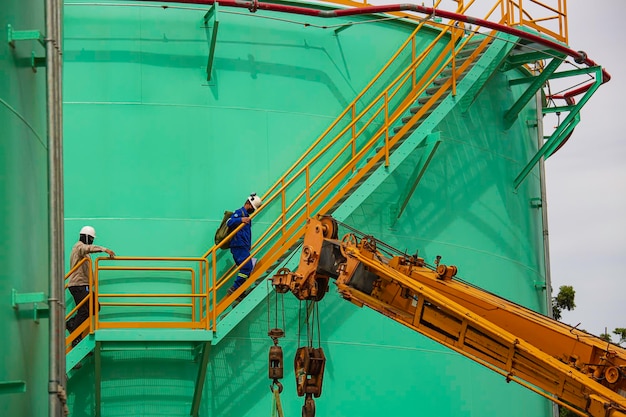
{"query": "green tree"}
pixel 563 301
pixel 621 332
pixel 606 337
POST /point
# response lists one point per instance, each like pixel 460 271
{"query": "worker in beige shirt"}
pixel 79 279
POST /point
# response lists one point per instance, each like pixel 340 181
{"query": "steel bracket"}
pixel 36 298
pixel 536 202
pixel 24 35
pixel 12 387
pixel 211 15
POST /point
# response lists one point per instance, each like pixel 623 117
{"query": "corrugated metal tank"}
pixel 154 153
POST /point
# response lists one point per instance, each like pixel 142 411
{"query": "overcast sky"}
pixel 586 180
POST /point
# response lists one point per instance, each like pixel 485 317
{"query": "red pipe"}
pixel 580 57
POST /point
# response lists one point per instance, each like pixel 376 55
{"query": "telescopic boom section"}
pixel 571 367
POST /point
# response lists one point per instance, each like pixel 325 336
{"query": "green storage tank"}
pixel 172 115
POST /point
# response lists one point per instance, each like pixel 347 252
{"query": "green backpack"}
pixel 223 230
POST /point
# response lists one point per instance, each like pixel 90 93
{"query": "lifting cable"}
pixel 275 358
pixel 277 407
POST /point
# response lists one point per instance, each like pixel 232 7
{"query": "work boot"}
pixel 238 299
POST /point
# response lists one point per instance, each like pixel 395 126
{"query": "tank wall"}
pixel 23 213
pixel 465 207
pixel 155 153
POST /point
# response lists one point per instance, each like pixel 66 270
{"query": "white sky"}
pixel 586 179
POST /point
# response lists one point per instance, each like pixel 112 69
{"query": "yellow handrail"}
pixel 319 177
pixel 285 235
pixel 88 324
pixel 200 293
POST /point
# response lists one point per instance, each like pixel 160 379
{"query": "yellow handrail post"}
pixel 353 129
pixel 453 63
pixel 283 203
pixel 414 72
pixel 308 191
pixel 214 291
pixel 93 296
pixel 193 296
pixel 386 128
pixel 207 301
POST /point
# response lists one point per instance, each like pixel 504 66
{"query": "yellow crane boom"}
pixel 575 369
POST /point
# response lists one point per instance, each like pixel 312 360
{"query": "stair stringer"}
pixel 78 353
pixel 263 288
pixel 467 89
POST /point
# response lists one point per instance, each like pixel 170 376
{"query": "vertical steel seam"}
pixel 56 302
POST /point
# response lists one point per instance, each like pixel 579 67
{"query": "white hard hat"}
pixel 255 200
pixel 89 231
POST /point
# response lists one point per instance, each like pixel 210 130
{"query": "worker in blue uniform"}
pixel 241 242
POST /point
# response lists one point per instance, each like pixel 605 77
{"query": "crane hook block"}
pixel 276 369
pixel 309 366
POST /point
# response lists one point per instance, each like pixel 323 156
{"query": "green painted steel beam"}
pixel 23 35
pixel 431 143
pixel 342 28
pixel 566 132
pixel 97 373
pixel 202 366
pixel 557 136
pixel 211 15
pixel 514 61
pixel 78 353
pixel 39 301
pixel 485 66
pixel 467 90
pixel 572 73
pixel 522 80
pixel 511 115
pixel 558 109
pixel 31 297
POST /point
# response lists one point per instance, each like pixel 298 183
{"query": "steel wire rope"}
pixel 456 278
pixel 319 327
pixel 282 298
pixel 282 302
pixel 251 14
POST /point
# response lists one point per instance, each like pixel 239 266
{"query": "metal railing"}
pixel 191 304
pixel 548 17
pixel 341 156
pixel 87 326
pixel 328 169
